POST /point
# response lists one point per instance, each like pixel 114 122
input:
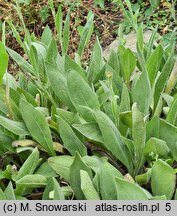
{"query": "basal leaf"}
pixel 3 61
pixel 90 130
pixel 29 165
pixel 168 133
pixel 154 63
pixel 15 127
pixel 58 84
pixel 107 182
pixel 75 179
pixel 58 193
pixel 163 179
pixel 81 94
pixel 32 181
pixel 139 137
pixel 163 78
pixel 37 126
pixel 141 93
pixel 61 165
pixel 71 142
pixel 157 146
pixel 86 34
pixel 129 191
pixel 87 187
pixel 112 139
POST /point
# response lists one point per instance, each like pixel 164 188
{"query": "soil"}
pixel 106 23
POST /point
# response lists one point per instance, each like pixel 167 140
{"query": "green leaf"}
pixel 153 128
pixel 15 127
pixel 70 64
pixel 143 178
pixel 154 62
pixel 58 194
pixel 46 36
pixel 71 142
pixel 9 192
pixel 172 113
pixel 86 34
pixel 90 130
pixel 49 187
pixel 37 126
pixel 141 93
pixel 46 170
pixel 23 64
pixel 52 52
pixel 112 139
pixel 2 195
pixel 96 62
pixel 81 95
pixel 163 78
pixel 87 187
pixel 68 116
pixel 32 181
pixel 170 137
pixel 75 179
pixel 139 136
pixel 3 61
pixel 125 99
pixel 157 146
pixel 58 84
pixel 58 23
pixel 129 191
pixel 107 176
pixel 163 179
pixel 61 165
pixel 126 118
pixel 66 34
pixel 128 64
pixel 29 165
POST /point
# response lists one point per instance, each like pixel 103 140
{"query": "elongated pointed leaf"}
pixel 96 62
pixel 112 139
pixel 163 179
pixel 23 64
pixel 15 127
pixel 32 181
pixel 29 165
pixel 9 192
pixel 107 176
pixel 75 179
pixel 90 130
pixel 58 84
pixel 154 62
pixel 129 191
pixel 125 100
pixel 172 114
pixel 81 94
pixel 3 61
pixel 71 142
pixel 61 165
pixel 87 187
pixel 37 126
pixel 58 23
pixel 163 78
pixel 128 64
pixel 58 193
pixel 168 133
pixel 142 93
pixel 86 34
pixel 66 34
pixel 139 136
